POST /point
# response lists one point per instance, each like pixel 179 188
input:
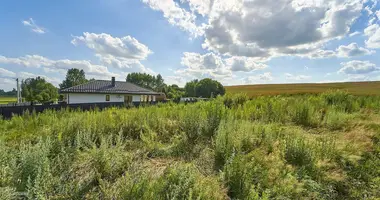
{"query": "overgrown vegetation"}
pixel 323 146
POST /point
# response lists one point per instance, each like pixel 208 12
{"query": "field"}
pixel 323 146
pixel 355 88
pixel 6 100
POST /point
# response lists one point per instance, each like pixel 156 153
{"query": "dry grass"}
pixel 356 88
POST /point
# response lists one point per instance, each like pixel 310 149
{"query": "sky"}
pixel 236 42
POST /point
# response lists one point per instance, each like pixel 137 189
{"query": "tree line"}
pixel 39 90
pixel 8 93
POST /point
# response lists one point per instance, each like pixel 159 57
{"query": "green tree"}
pixel 9 93
pixel 174 92
pixel 73 77
pixel 148 81
pixel 190 88
pixel 209 88
pixel 38 90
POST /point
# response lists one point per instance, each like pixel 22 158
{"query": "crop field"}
pixel 355 88
pixel 324 146
pixel 6 100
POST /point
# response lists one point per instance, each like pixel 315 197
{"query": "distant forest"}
pixel 9 93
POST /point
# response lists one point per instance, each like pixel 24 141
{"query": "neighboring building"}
pixel 101 91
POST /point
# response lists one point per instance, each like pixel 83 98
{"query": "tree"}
pixel 190 88
pixel 209 88
pixel 38 90
pixel 174 92
pixel 160 85
pixel 9 93
pixel 73 77
pixel 148 81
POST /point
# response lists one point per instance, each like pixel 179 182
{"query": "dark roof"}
pixel 101 86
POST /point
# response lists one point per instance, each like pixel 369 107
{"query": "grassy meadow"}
pixel 6 100
pixel 355 88
pixel 323 146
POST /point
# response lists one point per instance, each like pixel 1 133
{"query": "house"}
pixel 102 91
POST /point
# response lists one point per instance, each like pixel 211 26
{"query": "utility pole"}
pixel 18 91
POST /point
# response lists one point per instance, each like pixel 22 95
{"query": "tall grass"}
pixel 281 147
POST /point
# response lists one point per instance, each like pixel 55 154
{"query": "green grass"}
pixel 6 100
pixel 356 88
pixel 283 147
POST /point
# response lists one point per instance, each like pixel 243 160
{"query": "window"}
pixel 107 97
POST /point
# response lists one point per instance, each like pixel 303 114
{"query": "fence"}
pixel 9 111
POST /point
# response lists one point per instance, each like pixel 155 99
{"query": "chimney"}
pixel 113 82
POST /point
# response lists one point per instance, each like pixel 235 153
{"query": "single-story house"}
pixel 102 91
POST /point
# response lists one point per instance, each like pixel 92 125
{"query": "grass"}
pixel 6 100
pixel 355 88
pixel 322 146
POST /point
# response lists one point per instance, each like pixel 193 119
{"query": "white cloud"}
pixel 292 77
pixel 260 78
pixel 270 26
pixel 176 15
pixel 373 34
pixel 201 7
pixel 352 50
pixel 4 73
pixel 244 64
pixel 212 65
pixel 53 80
pixel 130 65
pixel 123 53
pixel 354 33
pixel 358 67
pixel 7 78
pixel 357 78
pixel 43 62
pixel 104 44
pixel 177 80
pixel 34 27
pixel 342 51
pixel 7 84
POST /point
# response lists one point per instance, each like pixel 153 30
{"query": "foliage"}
pixel 38 90
pixel 174 92
pixel 9 93
pixel 191 88
pixel 205 88
pixel 145 80
pixel 284 147
pixel 74 77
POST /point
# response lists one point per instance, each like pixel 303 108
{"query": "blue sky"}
pixel 236 42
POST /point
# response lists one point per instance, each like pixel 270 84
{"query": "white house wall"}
pixel 75 98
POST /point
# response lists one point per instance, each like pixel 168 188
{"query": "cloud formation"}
pixel 352 50
pixel 38 61
pixel 358 67
pixel 212 65
pixel 292 77
pixel 260 78
pixel 373 34
pixel 122 53
pixel 4 73
pixel 33 26
pixel 176 15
